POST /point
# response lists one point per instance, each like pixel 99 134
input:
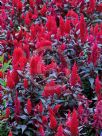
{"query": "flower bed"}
pixel 50 68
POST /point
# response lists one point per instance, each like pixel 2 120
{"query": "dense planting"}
pixel 50 68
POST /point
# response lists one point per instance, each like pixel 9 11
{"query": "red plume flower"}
pixel 39 107
pixel 43 45
pixel 51 112
pixel 80 109
pixel 17 54
pixel 51 88
pixel 62 25
pixel 1 74
pixel 44 119
pixel 82 29
pixel 95 54
pixel 25 82
pixel 98 116
pixel 99 7
pixel 17 107
pixel 27 19
pixel 60 131
pixel 31 2
pixel 36 64
pixel 53 122
pixel 67 26
pixel 33 30
pixel 74 76
pixel 26 51
pixel 19 5
pixel 98 87
pixel 10 133
pixel 0 98
pixel 74 16
pixel 21 64
pixel 10 81
pixel 15 76
pixel 43 10
pixel 74 124
pixel 92 5
pixel 56 108
pixel 41 131
pixel 59 2
pixel 19 59
pixel 29 106
pixel 51 24
pixel 7 112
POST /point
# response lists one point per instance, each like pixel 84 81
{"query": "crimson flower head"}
pixel 0 97
pixel 29 106
pixel 10 80
pixel 17 106
pixel 25 82
pixel 60 131
pixel 18 57
pixel 67 26
pixel 62 25
pixel 36 64
pixel 40 107
pixel 51 111
pixel 44 119
pixel 1 74
pixel 51 66
pixel 53 122
pixel 33 30
pixel 74 124
pixel 19 5
pixel 73 15
pixel 10 133
pixel 18 52
pixel 43 44
pixel 43 10
pixel 92 5
pixel 58 2
pixel 56 108
pixel 51 88
pixel 27 19
pixel 80 109
pixel 21 63
pixel 51 24
pixel 41 131
pixel 82 29
pixel 95 54
pixel 97 86
pixel 98 116
pixel 74 76
pixel 15 76
pixel 7 112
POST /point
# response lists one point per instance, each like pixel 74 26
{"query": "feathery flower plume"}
pixel 10 133
pixel 29 106
pixel 60 131
pixel 53 122
pixel 7 112
pixel 74 76
pixel 74 124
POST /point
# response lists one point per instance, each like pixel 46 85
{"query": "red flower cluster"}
pixel 29 106
pixel 51 67
pixel 51 88
pixel 74 76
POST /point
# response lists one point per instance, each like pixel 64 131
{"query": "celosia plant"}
pixel 50 67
